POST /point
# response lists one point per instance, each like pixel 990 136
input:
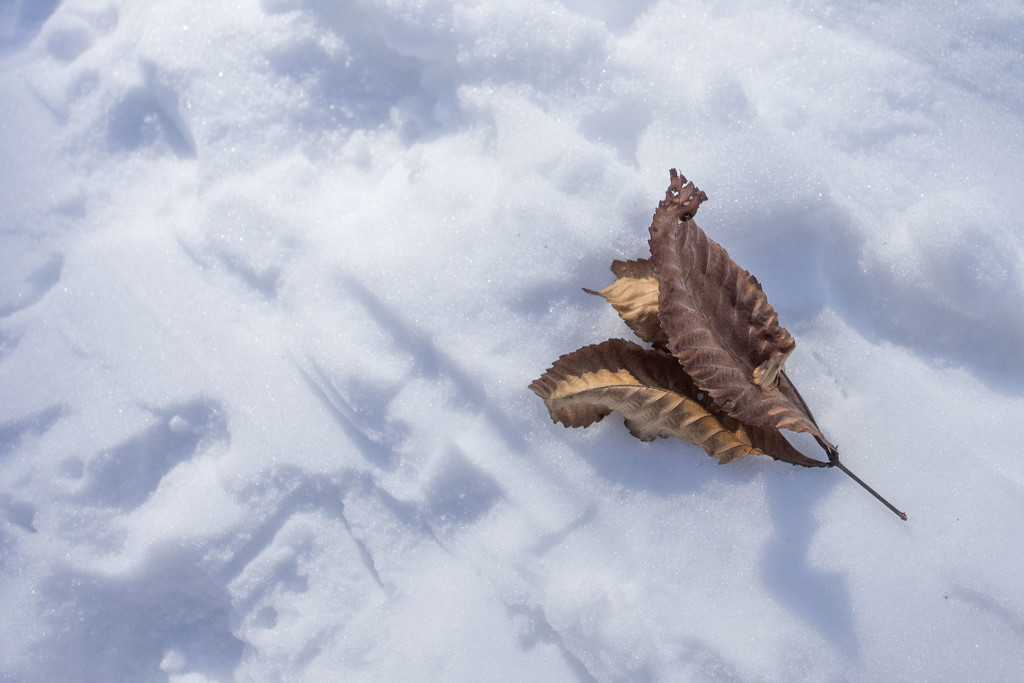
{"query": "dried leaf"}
pixel 717 376
pixel 657 399
pixel 644 288
pixel 634 295
pixel 718 320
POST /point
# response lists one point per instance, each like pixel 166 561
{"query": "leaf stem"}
pixel 834 459
pixel 833 452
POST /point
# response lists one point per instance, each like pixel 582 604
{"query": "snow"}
pixel 275 277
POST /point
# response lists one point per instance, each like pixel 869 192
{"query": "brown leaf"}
pixel 718 320
pixel 719 382
pixel 634 295
pixel 657 399
pixel 643 287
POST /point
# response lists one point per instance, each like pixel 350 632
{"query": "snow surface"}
pixel 275 276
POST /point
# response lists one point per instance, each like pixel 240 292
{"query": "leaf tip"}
pixel 682 196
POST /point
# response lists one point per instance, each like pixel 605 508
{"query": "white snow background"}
pixel 275 277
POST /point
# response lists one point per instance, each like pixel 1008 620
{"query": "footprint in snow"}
pixel 124 476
